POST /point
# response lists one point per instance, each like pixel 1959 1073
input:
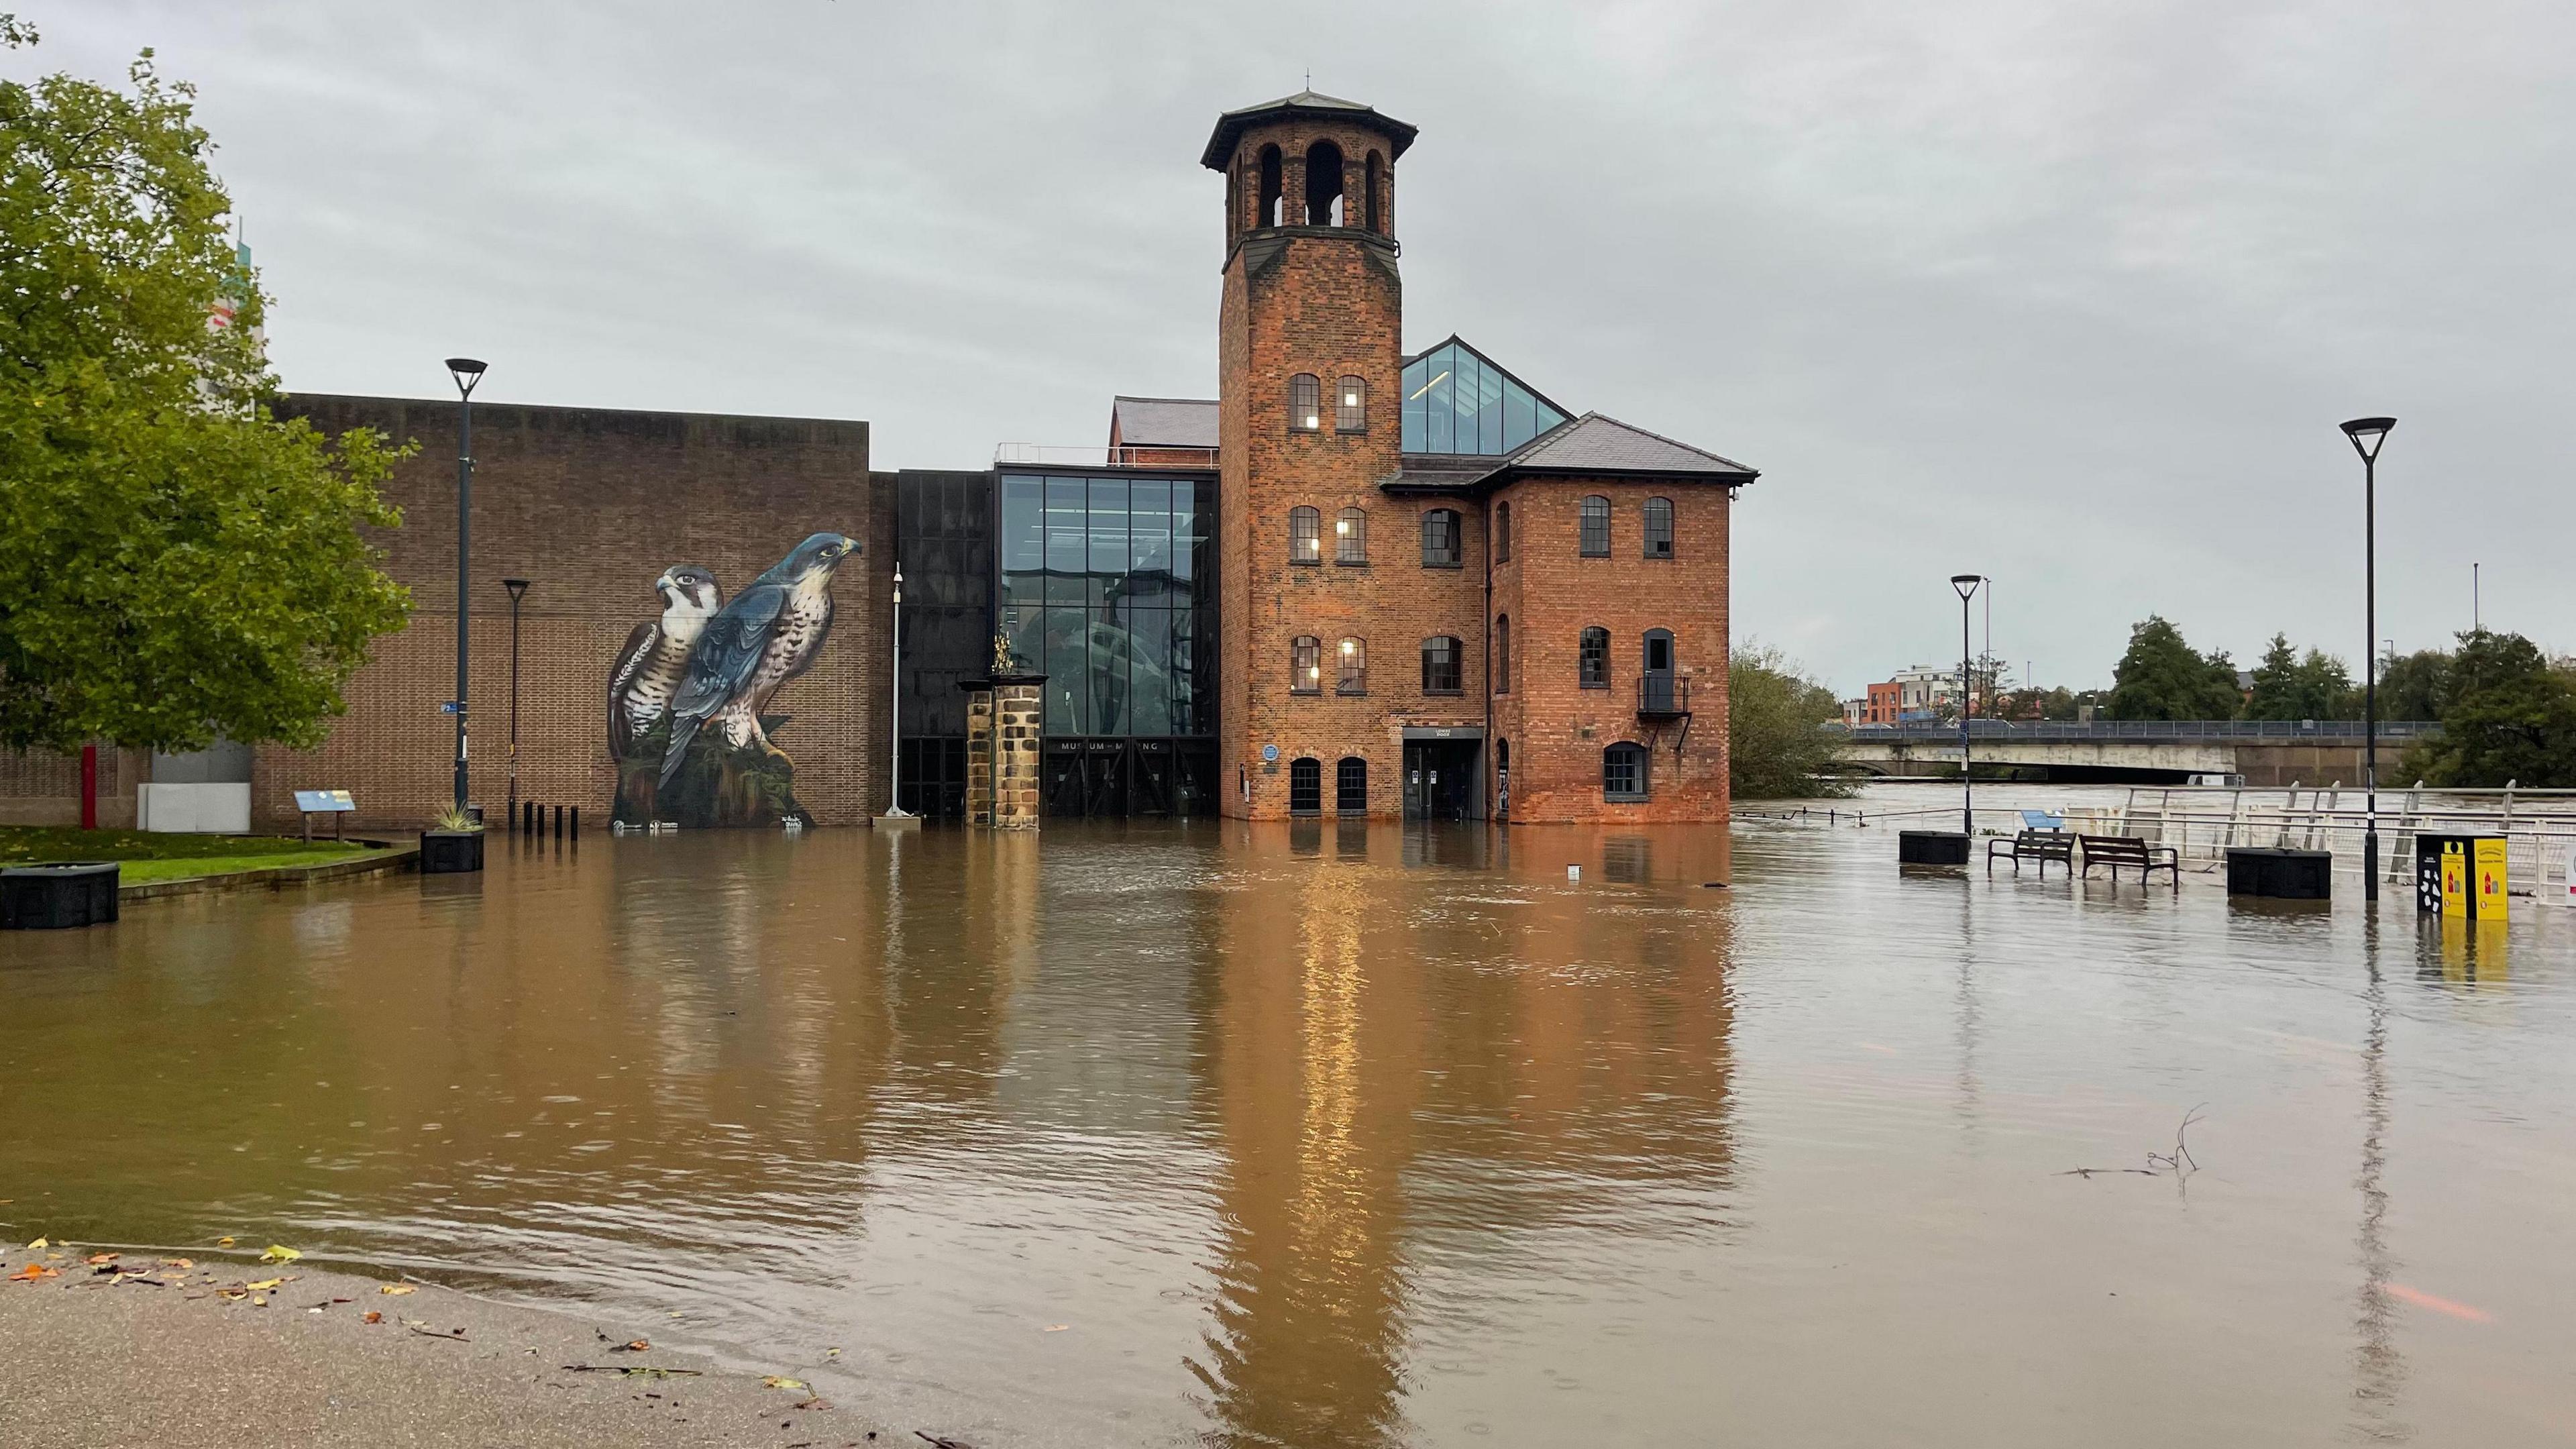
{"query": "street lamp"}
pixel 2367 435
pixel 467 373
pixel 518 589
pixel 1966 584
pixel 894 713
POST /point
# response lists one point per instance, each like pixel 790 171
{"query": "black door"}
pixel 1440 780
pixel 1065 791
pixel 1655 685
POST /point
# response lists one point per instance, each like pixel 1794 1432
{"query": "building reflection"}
pixel 1394 1054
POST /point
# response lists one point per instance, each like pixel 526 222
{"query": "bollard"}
pixel 576 825
pixel 559 825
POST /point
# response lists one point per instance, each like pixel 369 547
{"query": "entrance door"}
pixel 1655 685
pixel 1440 779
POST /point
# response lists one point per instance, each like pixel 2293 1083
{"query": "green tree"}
pixel 2414 686
pixel 175 563
pixel 2162 677
pixel 2289 687
pixel 1776 742
pixel 2509 718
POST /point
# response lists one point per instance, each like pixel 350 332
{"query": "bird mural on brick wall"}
pixel 647 674
pixel 763 637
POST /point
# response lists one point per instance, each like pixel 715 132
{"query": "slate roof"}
pixel 1164 422
pixel 1589 446
pixel 1220 146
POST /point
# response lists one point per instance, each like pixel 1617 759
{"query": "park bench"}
pixel 2039 845
pixel 2116 851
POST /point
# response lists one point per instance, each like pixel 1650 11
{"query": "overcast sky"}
pixel 2072 295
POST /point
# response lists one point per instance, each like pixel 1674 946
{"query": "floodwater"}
pixel 1207 1134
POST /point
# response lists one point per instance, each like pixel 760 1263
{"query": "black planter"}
pixel 2283 875
pixel 1931 847
pixel 48 897
pixel 450 852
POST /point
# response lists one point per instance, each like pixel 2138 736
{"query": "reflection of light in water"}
pixel 324 926
pixel 1330 1211
pixel 2379 1370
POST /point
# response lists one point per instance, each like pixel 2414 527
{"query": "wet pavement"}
pixel 1207 1134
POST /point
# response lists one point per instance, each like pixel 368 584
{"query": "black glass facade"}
pixel 944 541
pixel 1107 585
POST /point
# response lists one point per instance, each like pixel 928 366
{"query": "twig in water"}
pixel 2178 1162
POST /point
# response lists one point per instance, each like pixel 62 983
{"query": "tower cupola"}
pixel 1307 161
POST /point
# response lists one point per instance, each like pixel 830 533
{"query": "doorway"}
pixel 1440 779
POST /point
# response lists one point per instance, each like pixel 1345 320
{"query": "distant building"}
pixel 1920 692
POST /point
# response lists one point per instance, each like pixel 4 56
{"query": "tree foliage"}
pixel 2507 717
pixel 175 562
pixel 2414 686
pixel 2288 686
pixel 2162 677
pixel 1776 741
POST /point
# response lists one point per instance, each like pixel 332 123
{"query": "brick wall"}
pixel 591 505
pixel 1557 728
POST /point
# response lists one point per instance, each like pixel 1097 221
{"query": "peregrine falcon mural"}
pixel 688 698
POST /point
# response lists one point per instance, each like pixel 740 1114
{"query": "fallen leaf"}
pixel 177 1263
pixel 34 1271
pixel 1058 1327
pixel 258 1302
pixel 831 1353
pixel 95 1259
pixel 38 1246
pixel 264 1284
pixel 396 1290
pixel 276 1254
pixel 812 1404
pixel 632 1345
pixel 223 1242
pixel 374 1317
pixel 774 1381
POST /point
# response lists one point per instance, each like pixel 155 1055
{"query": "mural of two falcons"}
pixel 688 699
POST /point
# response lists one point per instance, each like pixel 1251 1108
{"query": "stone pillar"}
pixel 1005 718
pixel 979 757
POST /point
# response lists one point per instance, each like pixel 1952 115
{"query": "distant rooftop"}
pixel 1163 422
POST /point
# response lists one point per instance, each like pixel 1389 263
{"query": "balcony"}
pixel 1663 696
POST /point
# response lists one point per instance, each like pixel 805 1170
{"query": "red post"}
pixel 89 787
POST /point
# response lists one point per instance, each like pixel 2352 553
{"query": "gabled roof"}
pixel 1220 146
pixel 1593 443
pixel 1163 422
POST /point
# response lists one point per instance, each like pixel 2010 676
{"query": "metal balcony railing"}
pixel 1662 696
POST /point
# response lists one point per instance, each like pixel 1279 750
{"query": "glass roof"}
pixel 1455 401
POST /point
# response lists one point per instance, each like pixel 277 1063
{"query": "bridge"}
pixel 2261 752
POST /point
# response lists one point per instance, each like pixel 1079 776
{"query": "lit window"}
pixel 1353 665
pixel 1440 661
pixel 1305 535
pixel 1350 536
pixel 1596 527
pixel 1350 405
pixel 1306 665
pixel 1659 528
pixel 1623 772
pixel 1593 659
pixel 1305 403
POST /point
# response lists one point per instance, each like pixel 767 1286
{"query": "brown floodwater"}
pixel 1212 1134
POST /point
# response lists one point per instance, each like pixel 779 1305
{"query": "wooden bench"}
pixel 2039 845
pixel 2116 851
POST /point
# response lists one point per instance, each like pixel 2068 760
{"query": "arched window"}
pixel 1323 184
pixel 1305 787
pixel 1350 536
pixel 1659 528
pixel 1502 533
pixel 1440 656
pixel 1272 189
pixel 1596 527
pixel 1440 539
pixel 1305 665
pixel 1376 207
pixel 1623 772
pixel 1350 786
pixel 1592 666
pixel 1305 535
pixel 1305 403
pixel 1351 675
pixel 1350 405
pixel 1503 654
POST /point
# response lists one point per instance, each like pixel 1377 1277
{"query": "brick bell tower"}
pixel 1310 346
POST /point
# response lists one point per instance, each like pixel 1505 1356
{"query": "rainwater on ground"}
pixel 1313 1136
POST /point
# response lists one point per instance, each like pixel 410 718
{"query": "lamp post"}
pixel 2367 435
pixel 467 372
pixel 518 589
pixel 894 714
pixel 1966 584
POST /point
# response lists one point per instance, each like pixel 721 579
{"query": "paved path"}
pixel 95 1359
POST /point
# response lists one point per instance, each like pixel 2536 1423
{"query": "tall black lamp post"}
pixel 1966 584
pixel 518 589
pixel 2367 434
pixel 467 373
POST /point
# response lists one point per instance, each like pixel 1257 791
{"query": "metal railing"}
pixel 1071 455
pixel 1662 694
pixel 2286 731
pixel 2201 822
